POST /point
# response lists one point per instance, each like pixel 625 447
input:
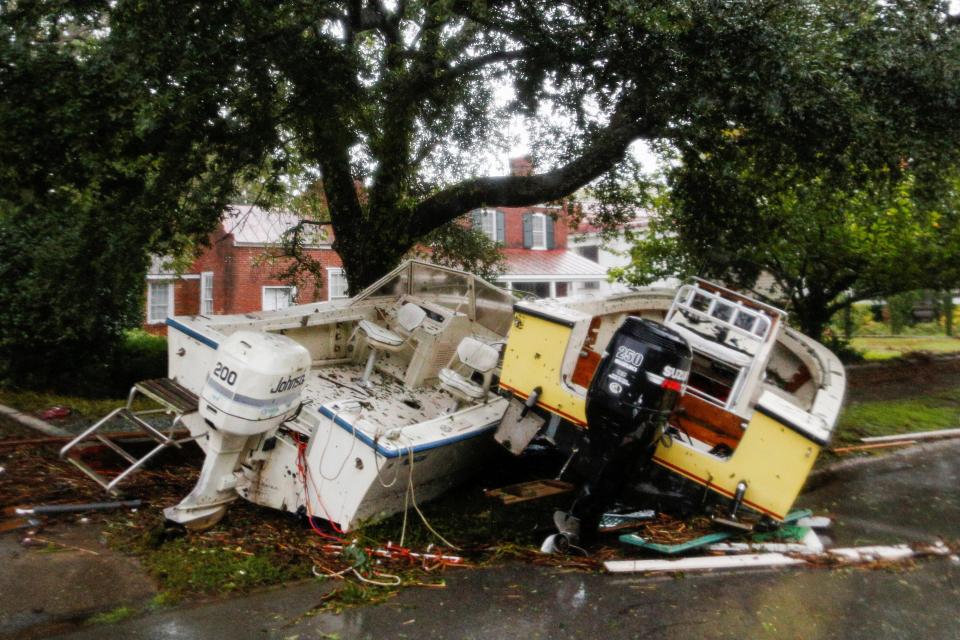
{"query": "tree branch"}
pixel 611 144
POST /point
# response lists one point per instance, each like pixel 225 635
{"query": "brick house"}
pixel 236 275
pixel 609 251
pixel 535 248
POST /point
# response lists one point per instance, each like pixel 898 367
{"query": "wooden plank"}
pixel 169 393
pixel 529 490
pixel 876 445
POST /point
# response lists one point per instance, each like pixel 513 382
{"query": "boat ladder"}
pixel 173 399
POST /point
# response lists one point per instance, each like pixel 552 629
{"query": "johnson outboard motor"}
pixel 254 386
pixel 637 384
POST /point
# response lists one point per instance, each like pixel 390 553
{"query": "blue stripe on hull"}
pixel 182 328
pixel 396 453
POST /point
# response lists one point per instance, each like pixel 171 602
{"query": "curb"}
pixel 34 423
pixel 839 469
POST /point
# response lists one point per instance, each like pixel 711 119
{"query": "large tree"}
pixel 135 119
pixel 812 241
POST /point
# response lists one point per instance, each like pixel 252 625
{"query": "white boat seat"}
pixel 456 383
pixel 472 356
pixel 409 317
pixel 376 333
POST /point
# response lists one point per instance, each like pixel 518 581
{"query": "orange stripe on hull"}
pixel 714 487
pixel 524 396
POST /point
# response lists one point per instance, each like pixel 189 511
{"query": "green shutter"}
pixel 548 223
pixel 501 228
pixel 477 217
pixel 527 230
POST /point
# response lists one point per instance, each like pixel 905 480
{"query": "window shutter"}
pixel 501 225
pixel 527 230
pixel 477 217
pixel 548 223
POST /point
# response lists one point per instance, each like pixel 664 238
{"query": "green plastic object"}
pixel 787 531
pixel 671 549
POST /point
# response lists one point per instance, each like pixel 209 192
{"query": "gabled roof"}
pixel 553 264
pixel 252 225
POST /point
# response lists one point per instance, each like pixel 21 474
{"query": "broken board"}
pixel 529 490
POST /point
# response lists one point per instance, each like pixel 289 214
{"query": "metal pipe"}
pixel 51 509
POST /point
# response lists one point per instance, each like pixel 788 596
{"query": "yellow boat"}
pixel 752 412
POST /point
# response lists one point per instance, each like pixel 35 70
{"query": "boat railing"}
pixel 700 305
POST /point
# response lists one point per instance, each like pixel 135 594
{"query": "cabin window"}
pixel 336 284
pixel 206 293
pixel 277 298
pixel 159 301
pixel 712 380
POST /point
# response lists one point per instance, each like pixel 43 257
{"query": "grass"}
pixel 937 410
pixel 887 347
pixel 36 401
pixel 112 616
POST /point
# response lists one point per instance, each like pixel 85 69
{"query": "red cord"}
pixel 303 472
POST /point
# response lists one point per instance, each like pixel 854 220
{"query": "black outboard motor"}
pixel 636 386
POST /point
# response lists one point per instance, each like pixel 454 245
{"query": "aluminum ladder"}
pixel 173 399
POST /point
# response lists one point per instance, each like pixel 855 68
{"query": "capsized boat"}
pixel 336 410
pixel 708 389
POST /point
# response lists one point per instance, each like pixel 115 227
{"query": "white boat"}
pixel 337 409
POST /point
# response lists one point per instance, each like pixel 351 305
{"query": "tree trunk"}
pixel 812 316
pixel 948 313
pixel 369 252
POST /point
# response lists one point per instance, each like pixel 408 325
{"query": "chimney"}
pixel 522 166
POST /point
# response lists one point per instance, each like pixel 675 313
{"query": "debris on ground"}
pixel 56 413
pixel 529 490
pixel 916 435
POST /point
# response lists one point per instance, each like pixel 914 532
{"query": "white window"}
pixel 159 301
pixel 206 293
pixel 539 231
pixel 336 284
pixel 277 298
pixel 488 224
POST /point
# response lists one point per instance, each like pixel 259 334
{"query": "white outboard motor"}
pixel 254 386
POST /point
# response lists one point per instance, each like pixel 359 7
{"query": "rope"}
pixel 413 500
pixel 353 440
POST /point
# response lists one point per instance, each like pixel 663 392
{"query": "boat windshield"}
pixel 490 306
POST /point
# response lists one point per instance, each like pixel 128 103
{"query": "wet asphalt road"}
pixel 915 498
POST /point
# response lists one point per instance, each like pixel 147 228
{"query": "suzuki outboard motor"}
pixel 637 384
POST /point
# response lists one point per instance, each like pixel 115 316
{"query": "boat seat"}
pixel 472 356
pixel 380 339
pixel 378 334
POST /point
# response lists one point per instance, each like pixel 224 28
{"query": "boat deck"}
pixel 387 403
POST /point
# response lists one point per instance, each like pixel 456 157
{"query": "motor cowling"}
pixel 640 378
pixel 255 384
pixel 634 389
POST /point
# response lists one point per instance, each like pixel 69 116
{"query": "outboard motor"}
pixel 254 386
pixel 636 385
